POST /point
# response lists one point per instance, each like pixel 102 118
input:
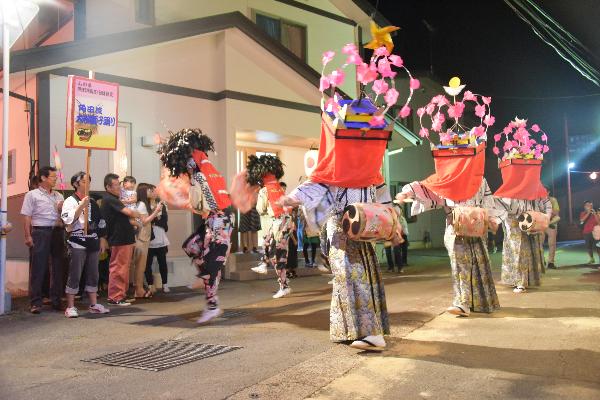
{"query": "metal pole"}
pixel 569 196
pixel 5 112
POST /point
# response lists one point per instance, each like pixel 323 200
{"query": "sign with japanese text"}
pixel 92 114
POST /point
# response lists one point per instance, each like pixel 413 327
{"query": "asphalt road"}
pixel 543 344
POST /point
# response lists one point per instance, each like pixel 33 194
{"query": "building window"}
pixel 144 12
pixel 289 34
pixel 12 166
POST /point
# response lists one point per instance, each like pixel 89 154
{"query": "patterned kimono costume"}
pixel 212 240
pixel 523 254
pixel 358 306
pixel 472 279
pixel 276 238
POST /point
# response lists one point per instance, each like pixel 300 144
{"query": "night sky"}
pixel 496 53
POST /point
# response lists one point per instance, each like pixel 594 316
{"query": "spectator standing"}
pixel 45 236
pixel 249 227
pixel 292 261
pixel 143 237
pixel 552 230
pixel 159 244
pixel 121 239
pixel 309 240
pixel 84 248
pixel 400 252
pixel 588 219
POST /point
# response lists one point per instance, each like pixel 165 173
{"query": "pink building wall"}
pixel 18 137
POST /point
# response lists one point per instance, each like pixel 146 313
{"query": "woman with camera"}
pixel 589 221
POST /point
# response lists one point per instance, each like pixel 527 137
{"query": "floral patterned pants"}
pixel 214 244
pixel 276 242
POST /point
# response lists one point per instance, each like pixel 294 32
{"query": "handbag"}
pixel 596 232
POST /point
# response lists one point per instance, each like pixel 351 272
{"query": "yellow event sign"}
pixel 92 114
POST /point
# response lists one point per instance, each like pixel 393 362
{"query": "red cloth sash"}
pixel 521 180
pixel 274 193
pixel 348 163
pixel 457 178
pixel 215 180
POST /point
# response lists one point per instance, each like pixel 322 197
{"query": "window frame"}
pixel 12 167
pixel 145 20
pixel 281 20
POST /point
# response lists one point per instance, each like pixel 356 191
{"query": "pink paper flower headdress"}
pixel 376 76
pixel 520 143
pixel 441 109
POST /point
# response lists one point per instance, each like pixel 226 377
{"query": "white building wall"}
pixel 110 16
pixel 144 110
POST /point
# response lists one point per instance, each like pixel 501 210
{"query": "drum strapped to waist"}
pixel 369 222
pixel 533 222
pixel 470 221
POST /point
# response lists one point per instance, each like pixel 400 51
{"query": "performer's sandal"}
pixel 456 310
pixel 373 343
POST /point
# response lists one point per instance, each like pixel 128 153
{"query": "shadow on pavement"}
pixel 576 364
pixel 516 312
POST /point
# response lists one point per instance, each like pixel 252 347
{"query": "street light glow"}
pixel 593 175
pixel 571 165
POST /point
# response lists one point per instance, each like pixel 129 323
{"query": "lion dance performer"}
pixel 346 184
pixel 264 172
pixel 458 186
pixel 524 202
pixel 185 155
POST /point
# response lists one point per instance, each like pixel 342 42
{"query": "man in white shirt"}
pixel 45 236
pixel 85 247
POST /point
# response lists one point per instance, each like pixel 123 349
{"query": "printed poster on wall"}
pixel 92 114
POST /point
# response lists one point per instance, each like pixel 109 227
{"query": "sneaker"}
pixel 71 312
pixel 35 309
pixel 590 262
pixel 519 289
pixel 551 266
pixel 166 288
pixel 455 310
pixel 261 269
pixel 209 314
pixel 373 343
pixel 282 293
pixel 322 268
pixel 120 303
pixel 152 289
pixel 98 309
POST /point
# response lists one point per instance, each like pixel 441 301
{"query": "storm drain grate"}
pixel 162 355
pixel 229 314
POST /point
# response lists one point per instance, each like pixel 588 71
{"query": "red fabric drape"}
pixel 521 181
pixel 457 178
pixel 215 180
pixel 349 163
pixel 274 193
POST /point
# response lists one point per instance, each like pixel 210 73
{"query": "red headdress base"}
pixel 458 172
pixel 521 180
pixel 348 161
